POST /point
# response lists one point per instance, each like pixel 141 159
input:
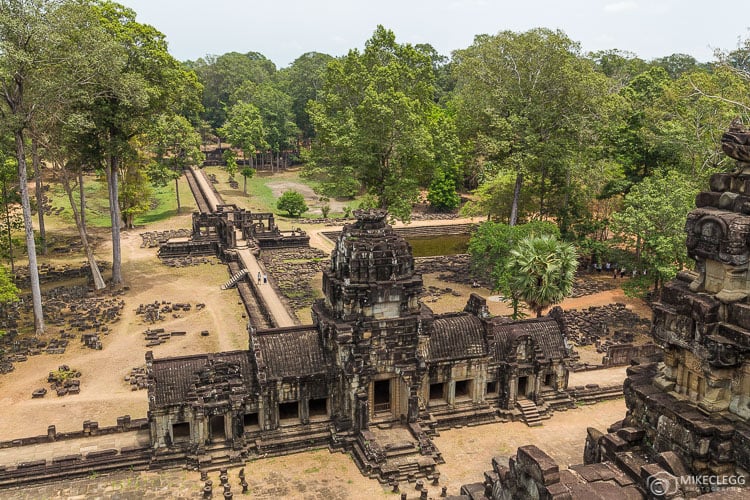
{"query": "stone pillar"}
pixel 51 433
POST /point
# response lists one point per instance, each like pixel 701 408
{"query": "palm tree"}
pixel 541 270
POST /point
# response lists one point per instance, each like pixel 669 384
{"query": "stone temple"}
pixel 376 374
pixel 686 432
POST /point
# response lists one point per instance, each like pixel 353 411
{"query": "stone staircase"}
pixel 455 417
pixel 234 279
pixel 400 457
pixel 530 412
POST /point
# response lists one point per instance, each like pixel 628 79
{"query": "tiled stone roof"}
pixel 291 352
pixel 457 336
pixel 544 332
pixel 174 378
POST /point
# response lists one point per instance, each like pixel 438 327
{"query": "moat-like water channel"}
pixel 447 244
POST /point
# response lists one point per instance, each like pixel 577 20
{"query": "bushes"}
pixel 293 203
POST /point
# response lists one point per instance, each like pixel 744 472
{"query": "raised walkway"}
pixel 273 304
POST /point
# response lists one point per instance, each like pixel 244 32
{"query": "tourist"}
pixel 259 277
pixel 265 279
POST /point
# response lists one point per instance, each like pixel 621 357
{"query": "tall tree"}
pixel 372 123
pixel 11 221
pixel 244 129
pixel 652 224
pixel 175 145
pixel 542 270
pixel 28 28
pixel 147 82
pixel 302 81
pixel 523 102
pixel 222 75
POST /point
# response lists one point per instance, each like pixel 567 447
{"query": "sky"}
pixel 282 30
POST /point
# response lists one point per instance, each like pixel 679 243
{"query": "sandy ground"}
pixel 104 394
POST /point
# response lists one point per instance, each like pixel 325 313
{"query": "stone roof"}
pixel 456 336
pixel 544 332
pixel 174 378
pixel 291 352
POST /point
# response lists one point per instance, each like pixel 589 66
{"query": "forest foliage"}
pixel 606 147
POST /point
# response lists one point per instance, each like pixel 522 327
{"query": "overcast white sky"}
pixel 282 30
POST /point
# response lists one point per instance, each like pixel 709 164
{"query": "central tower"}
pixel 372 323
pixel 372 272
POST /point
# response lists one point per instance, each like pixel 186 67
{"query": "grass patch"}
pixel 164 202
pixel 312 470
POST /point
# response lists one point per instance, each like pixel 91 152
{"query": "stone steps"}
pixel 530 412
pixel 234 279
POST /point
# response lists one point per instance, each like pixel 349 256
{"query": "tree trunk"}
pixel 35 162
pixel 7 222
pixel 177 192
pixel 115 217
pixel 36 292
pixel 542 193
pixel 82 196
pixel 244 184
pixel 516 196
pixel 95 273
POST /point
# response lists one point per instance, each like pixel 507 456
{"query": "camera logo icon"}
pixel 662 484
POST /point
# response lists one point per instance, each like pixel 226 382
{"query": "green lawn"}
pixel 164 202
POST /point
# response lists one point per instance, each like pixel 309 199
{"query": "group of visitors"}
pixel 616 270
pixel 265 278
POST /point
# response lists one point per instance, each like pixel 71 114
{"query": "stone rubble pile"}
pixel 153 239
pixel 603 326
pixel 293 271
pixel 188 261
pixel 137 378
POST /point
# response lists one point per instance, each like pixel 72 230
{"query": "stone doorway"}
pixel 217 429
pixel 523 387
pixel 381 398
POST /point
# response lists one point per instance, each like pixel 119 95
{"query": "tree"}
pixel 222 75
pixel 490 247
pixel 442 194
pixel 29 32
pixel 293 203
pixel 230 158
pixel 175 145
pixel 143 83
pixel 244 129
pixel 372 123
pixel 524 104
pixel 8 290
pixel 11 220
pixel 302 81
pixel 542 271
pixel 247 173
pixel 652 224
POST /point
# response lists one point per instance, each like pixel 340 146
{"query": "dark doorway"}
pixel 492 388
pixel 181 432
pixel 463 390
pixel 548 379
pixel 318 408
pixel 436 393
pixel 382 395
pixel 289 411
pixel 523 382
pixel 250 421
pixel 216 425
